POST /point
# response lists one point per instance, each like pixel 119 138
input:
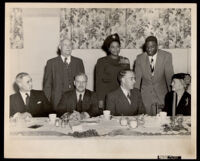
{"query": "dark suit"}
pixel 183 107
pixel 154 88
pixel 118 103
pixel 59 78
pixel 68 103
pixel 39 106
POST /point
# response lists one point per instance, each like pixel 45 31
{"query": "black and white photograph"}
pixel 100 80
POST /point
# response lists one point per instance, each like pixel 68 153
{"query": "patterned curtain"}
pixel 88 27
pixel 16 29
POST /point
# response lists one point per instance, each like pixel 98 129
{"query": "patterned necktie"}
pixel 79 104
pixel 27 99
pixel 66 61
pixel 152 65
pixel 129 98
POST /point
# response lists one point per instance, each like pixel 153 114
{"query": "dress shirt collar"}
pixel 23 94
pixel 125 91
pixel 78 93
pixel 68 58
pixel 126 94
pixel 154 57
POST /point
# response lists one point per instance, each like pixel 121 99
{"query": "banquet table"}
pixel 40 128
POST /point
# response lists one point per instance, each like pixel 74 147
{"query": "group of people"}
pixel 117 88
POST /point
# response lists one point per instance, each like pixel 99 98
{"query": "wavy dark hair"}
pixel 122 73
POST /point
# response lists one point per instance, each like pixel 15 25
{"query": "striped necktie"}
pixel 129 98
pixel 66 61
pixel 152 65
pixel 27 99
pixel 79 103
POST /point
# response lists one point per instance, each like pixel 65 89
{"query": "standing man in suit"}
pixel 60 71
pixel 154 71
pixel 126 100
pixel 79 99
pixel 27 99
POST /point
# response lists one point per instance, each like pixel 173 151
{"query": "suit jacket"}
pixel 154 88
pixel 39 106
pixel 118 103
pixel 106 73
pixel 55 84
pixel 183 107
pixel 68 103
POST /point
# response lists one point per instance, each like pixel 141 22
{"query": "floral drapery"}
pixel 88 27
pixel 16 29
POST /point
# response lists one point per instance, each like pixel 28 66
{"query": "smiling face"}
pixel 25 84
pixel 66 47
pixel 114 48
pixel 80 83
pixel 177 84
pixel 151 48
pixel 128 80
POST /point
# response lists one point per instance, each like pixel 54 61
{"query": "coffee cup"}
pixel 163 114
pixel 133 123
pixel 106 112
pixel 107 117
pixel 123 122
pixel 52 118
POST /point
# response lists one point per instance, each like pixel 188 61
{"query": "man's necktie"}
pixel 66 61
pixel 27 99
pixel 79 104
pixel 152 65
pixel 129 98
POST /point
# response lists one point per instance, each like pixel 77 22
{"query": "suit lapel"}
pixel 72 64
pixel 74 100
pixel 32 99
pixel 123 98
pixel 159 63
pixel 132 98
pixel 147 66
pixel 59 65
pixel 72 60
pixel 20 99
pixel 85 100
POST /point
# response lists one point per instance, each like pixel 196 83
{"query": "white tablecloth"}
pixel 105 128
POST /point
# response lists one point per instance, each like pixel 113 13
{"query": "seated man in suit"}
pixel 126 100
pixel 80 99
pixel 27 99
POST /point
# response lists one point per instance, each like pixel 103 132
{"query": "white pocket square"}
pixel 39 102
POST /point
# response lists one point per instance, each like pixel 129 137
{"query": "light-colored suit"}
pixel 153 88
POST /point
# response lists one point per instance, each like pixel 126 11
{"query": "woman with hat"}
pixel 180 83
pixel 108 67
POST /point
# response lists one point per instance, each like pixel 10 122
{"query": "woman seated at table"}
pixel 108 67
pixel 180 83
